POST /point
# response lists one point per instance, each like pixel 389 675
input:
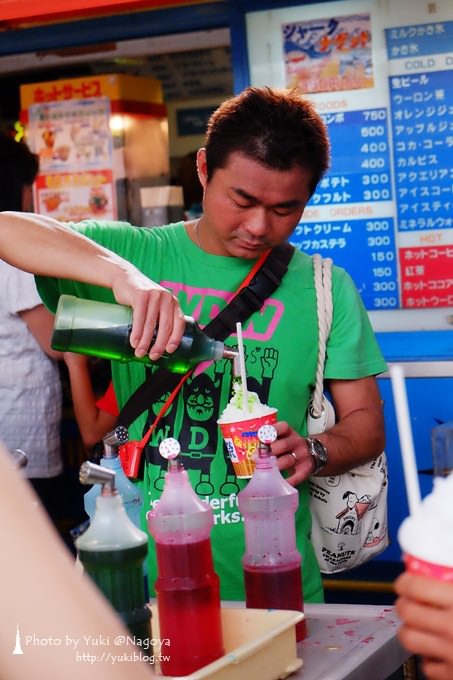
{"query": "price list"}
pixel 350 217
pixel 422 108
pixel 360 168
pixel 422 126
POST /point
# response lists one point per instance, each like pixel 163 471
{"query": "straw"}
pixel 405 435
pixel 245 403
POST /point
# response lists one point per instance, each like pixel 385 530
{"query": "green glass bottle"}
pixel 103 329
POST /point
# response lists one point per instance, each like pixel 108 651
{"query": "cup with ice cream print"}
pixel 240 427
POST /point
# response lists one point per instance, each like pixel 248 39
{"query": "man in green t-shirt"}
pixel 265 153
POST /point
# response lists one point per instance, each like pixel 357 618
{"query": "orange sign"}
pixel 114 86
pixel 21 11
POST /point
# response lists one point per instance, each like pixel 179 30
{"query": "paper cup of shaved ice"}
pixel 239 427
pixel 426 536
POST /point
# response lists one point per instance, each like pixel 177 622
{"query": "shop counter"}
pixel 350 642
pixel 344 642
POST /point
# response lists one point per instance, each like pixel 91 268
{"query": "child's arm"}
pixel 93 422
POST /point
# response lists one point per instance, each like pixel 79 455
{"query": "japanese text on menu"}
pixel 374 206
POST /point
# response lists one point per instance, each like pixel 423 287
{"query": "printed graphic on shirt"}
pixel 193 421
pixel 206 303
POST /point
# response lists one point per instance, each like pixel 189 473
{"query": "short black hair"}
pixel 18 168
pixel 279 129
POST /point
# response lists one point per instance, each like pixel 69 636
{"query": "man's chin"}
pixel 250 252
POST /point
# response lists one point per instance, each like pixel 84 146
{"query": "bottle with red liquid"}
pixel 187 587
pixel 272 562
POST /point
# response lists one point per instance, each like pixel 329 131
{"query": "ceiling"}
pixel 190 65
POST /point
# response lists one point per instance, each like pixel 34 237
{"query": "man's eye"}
pixel 241 204
pixel 283 212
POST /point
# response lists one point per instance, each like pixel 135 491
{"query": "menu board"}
pixel 384 89
pixel 421 90
pixel 346 229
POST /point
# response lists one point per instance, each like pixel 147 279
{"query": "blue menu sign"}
pixel 350 229
pixel 421 95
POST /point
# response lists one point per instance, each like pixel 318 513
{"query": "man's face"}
pixel 249 208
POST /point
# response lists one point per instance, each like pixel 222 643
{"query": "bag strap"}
pixel 322 269
pixel 260 283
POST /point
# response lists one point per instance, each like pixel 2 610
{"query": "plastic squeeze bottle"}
pixel 187 587
pixel 272 562
pixel 103 329
pixel 112 551
pixel 129 492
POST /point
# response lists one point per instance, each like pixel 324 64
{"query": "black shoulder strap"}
pixel 249 300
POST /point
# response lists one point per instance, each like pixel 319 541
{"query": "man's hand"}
pixel 42 245
pixel 293 454
pixel 153 306
pixel 357 436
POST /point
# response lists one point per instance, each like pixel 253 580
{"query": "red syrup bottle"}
pixel 272 562
pixel 187 587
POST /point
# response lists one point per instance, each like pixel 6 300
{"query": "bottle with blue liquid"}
pixel 129 492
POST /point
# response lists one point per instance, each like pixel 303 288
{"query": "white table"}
pixel 350 642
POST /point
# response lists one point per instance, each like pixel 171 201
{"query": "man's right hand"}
pixel 153 306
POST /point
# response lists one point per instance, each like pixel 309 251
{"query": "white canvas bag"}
pixel 349 511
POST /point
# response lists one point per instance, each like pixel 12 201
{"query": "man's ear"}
pixel 201 167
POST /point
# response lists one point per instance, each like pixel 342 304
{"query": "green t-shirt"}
pixel 281 344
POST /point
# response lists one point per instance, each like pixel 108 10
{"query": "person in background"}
pixel 30 387
pixel 95 417
pixel 265 152
pixel 425 607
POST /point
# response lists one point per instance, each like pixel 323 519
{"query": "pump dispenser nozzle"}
pixel 113 440
pixel 266 435
pixel 170 449
pixel 90 473
pixel 230 354
pixel 20 458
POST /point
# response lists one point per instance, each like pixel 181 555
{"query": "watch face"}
pixel 319 452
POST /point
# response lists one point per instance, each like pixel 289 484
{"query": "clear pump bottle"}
pixel 103 329
pixel 129 492
pixel 112 551
pixel 187 587
pixel 272 562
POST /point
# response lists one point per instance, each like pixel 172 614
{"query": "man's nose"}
pixel 257 222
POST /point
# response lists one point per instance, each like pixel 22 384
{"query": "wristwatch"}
pixel 318 452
